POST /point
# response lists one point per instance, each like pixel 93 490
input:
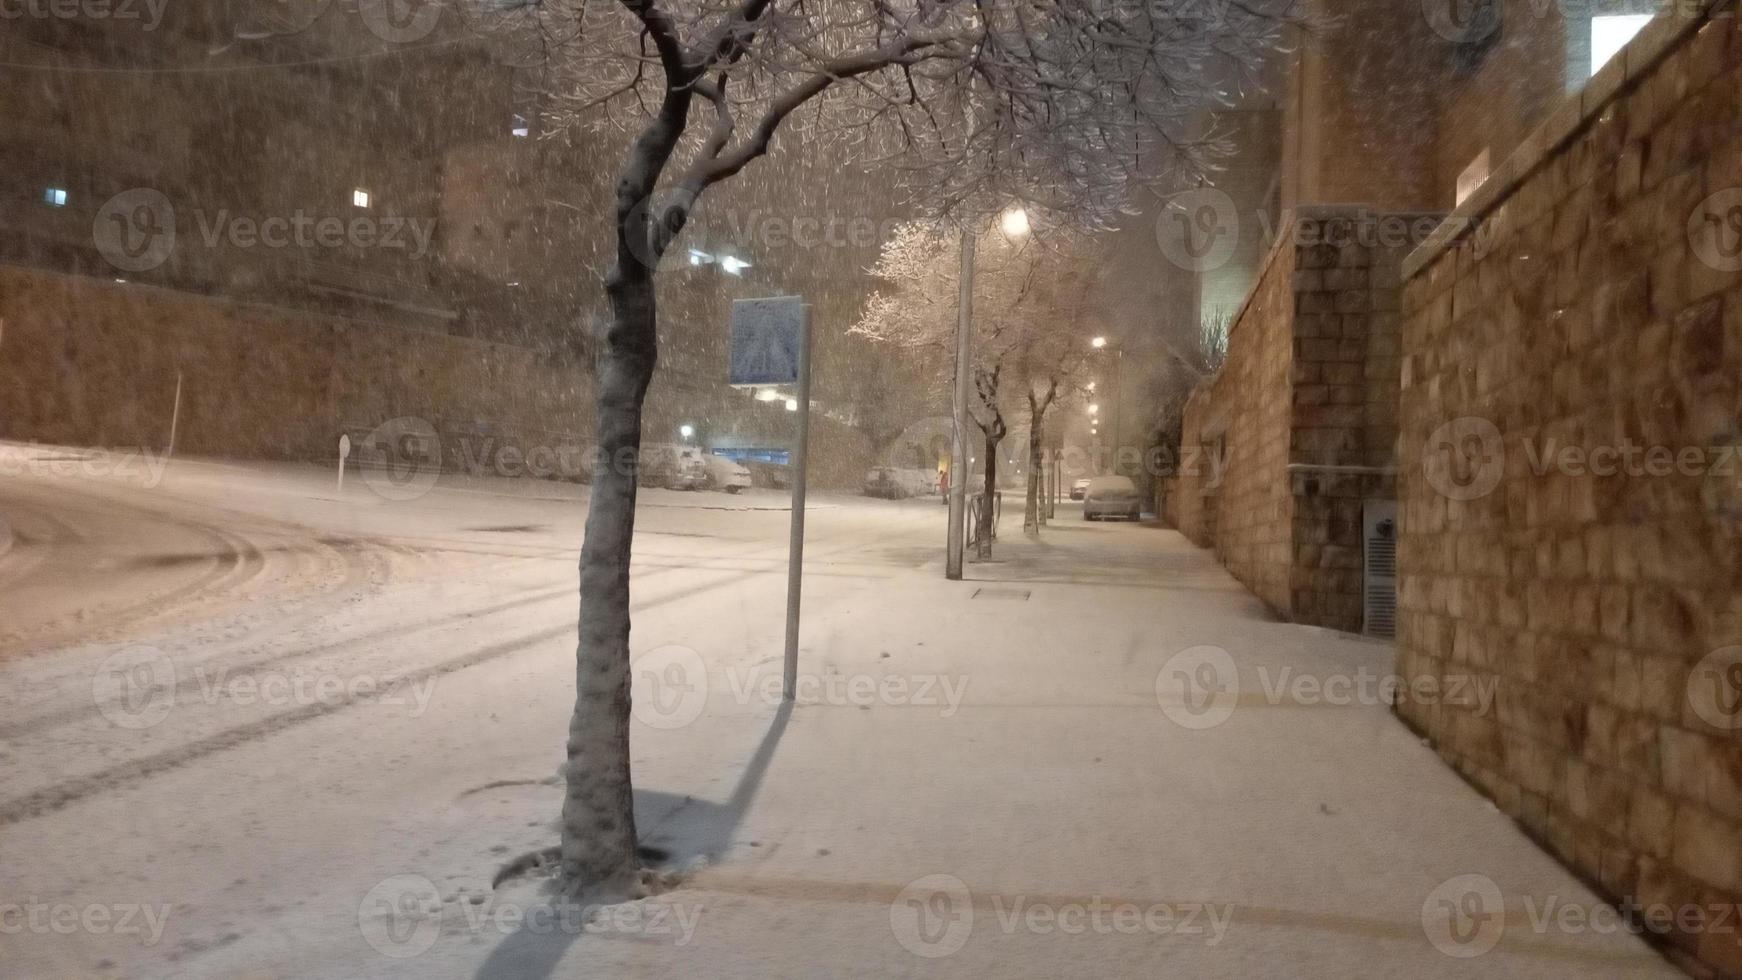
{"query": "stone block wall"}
pixel 1190 491
pixel 1571 483
pixel 1305 414
pixel 88 362
pixel 1343 420
pixel 1250 404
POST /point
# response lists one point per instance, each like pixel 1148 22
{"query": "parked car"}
pixel 673 467
pixel 899 483
pixel 1079 488
pixel 1112 496
pixel 725 474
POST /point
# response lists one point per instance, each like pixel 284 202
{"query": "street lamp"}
pixel 686 430
pixel 1014 222
pixel 1101 343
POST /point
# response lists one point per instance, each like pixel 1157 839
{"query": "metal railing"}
pixel 976 505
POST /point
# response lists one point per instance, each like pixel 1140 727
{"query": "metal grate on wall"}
pixel 1379 567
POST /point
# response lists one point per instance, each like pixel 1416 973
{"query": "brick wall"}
pixel 1587 300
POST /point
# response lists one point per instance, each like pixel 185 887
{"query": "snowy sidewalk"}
pixel 992 784
pixel 1098 755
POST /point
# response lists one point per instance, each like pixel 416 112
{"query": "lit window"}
pixel 1473 176
pixel 1610 33
pixel 360 197
pixel 55 197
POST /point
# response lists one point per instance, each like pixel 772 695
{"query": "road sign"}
pixel 766 340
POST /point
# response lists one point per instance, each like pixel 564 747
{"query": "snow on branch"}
pixel 1060 104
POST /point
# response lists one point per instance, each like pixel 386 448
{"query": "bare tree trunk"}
pixel 598 819
pixel 983 531
pixel 1031 510
pixel 598 845
pixel 1033 516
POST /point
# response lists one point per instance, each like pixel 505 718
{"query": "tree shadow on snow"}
pixel 685 829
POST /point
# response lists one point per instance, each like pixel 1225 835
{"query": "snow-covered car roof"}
pixel 1112 484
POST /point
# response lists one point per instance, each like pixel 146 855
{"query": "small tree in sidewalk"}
pixel 1030 298
pixel 1062 104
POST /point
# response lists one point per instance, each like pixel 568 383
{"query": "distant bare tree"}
pixel 1213 338
pixel 1060 104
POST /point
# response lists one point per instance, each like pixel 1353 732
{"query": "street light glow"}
pixel 686 430
pixel 1091 386
pixel 1093 409
pixel 1015 222
pixel 1098 343
pixel 792 404
pixel 768 395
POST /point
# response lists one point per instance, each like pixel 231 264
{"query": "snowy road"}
pixel 251 727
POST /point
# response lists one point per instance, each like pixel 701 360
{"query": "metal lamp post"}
pixel 1100 343
pixel 1015 224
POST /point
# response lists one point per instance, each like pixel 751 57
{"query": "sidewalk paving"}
pixel 1071 815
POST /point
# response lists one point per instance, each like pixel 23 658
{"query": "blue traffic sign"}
pixel 767 338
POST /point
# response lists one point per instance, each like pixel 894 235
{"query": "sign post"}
pixel 771 345
pixel 959 415
pixel 344 451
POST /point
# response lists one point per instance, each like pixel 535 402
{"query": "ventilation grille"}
pixel 1379 536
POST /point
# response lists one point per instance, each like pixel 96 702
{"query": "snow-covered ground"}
pixel 250 726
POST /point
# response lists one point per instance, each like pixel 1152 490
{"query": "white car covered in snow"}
pixel 1112 496
pixel 900 483
pixel 725 474
pixel 673 467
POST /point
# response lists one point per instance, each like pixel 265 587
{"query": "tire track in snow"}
pixel 51 798
pixel 57 796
